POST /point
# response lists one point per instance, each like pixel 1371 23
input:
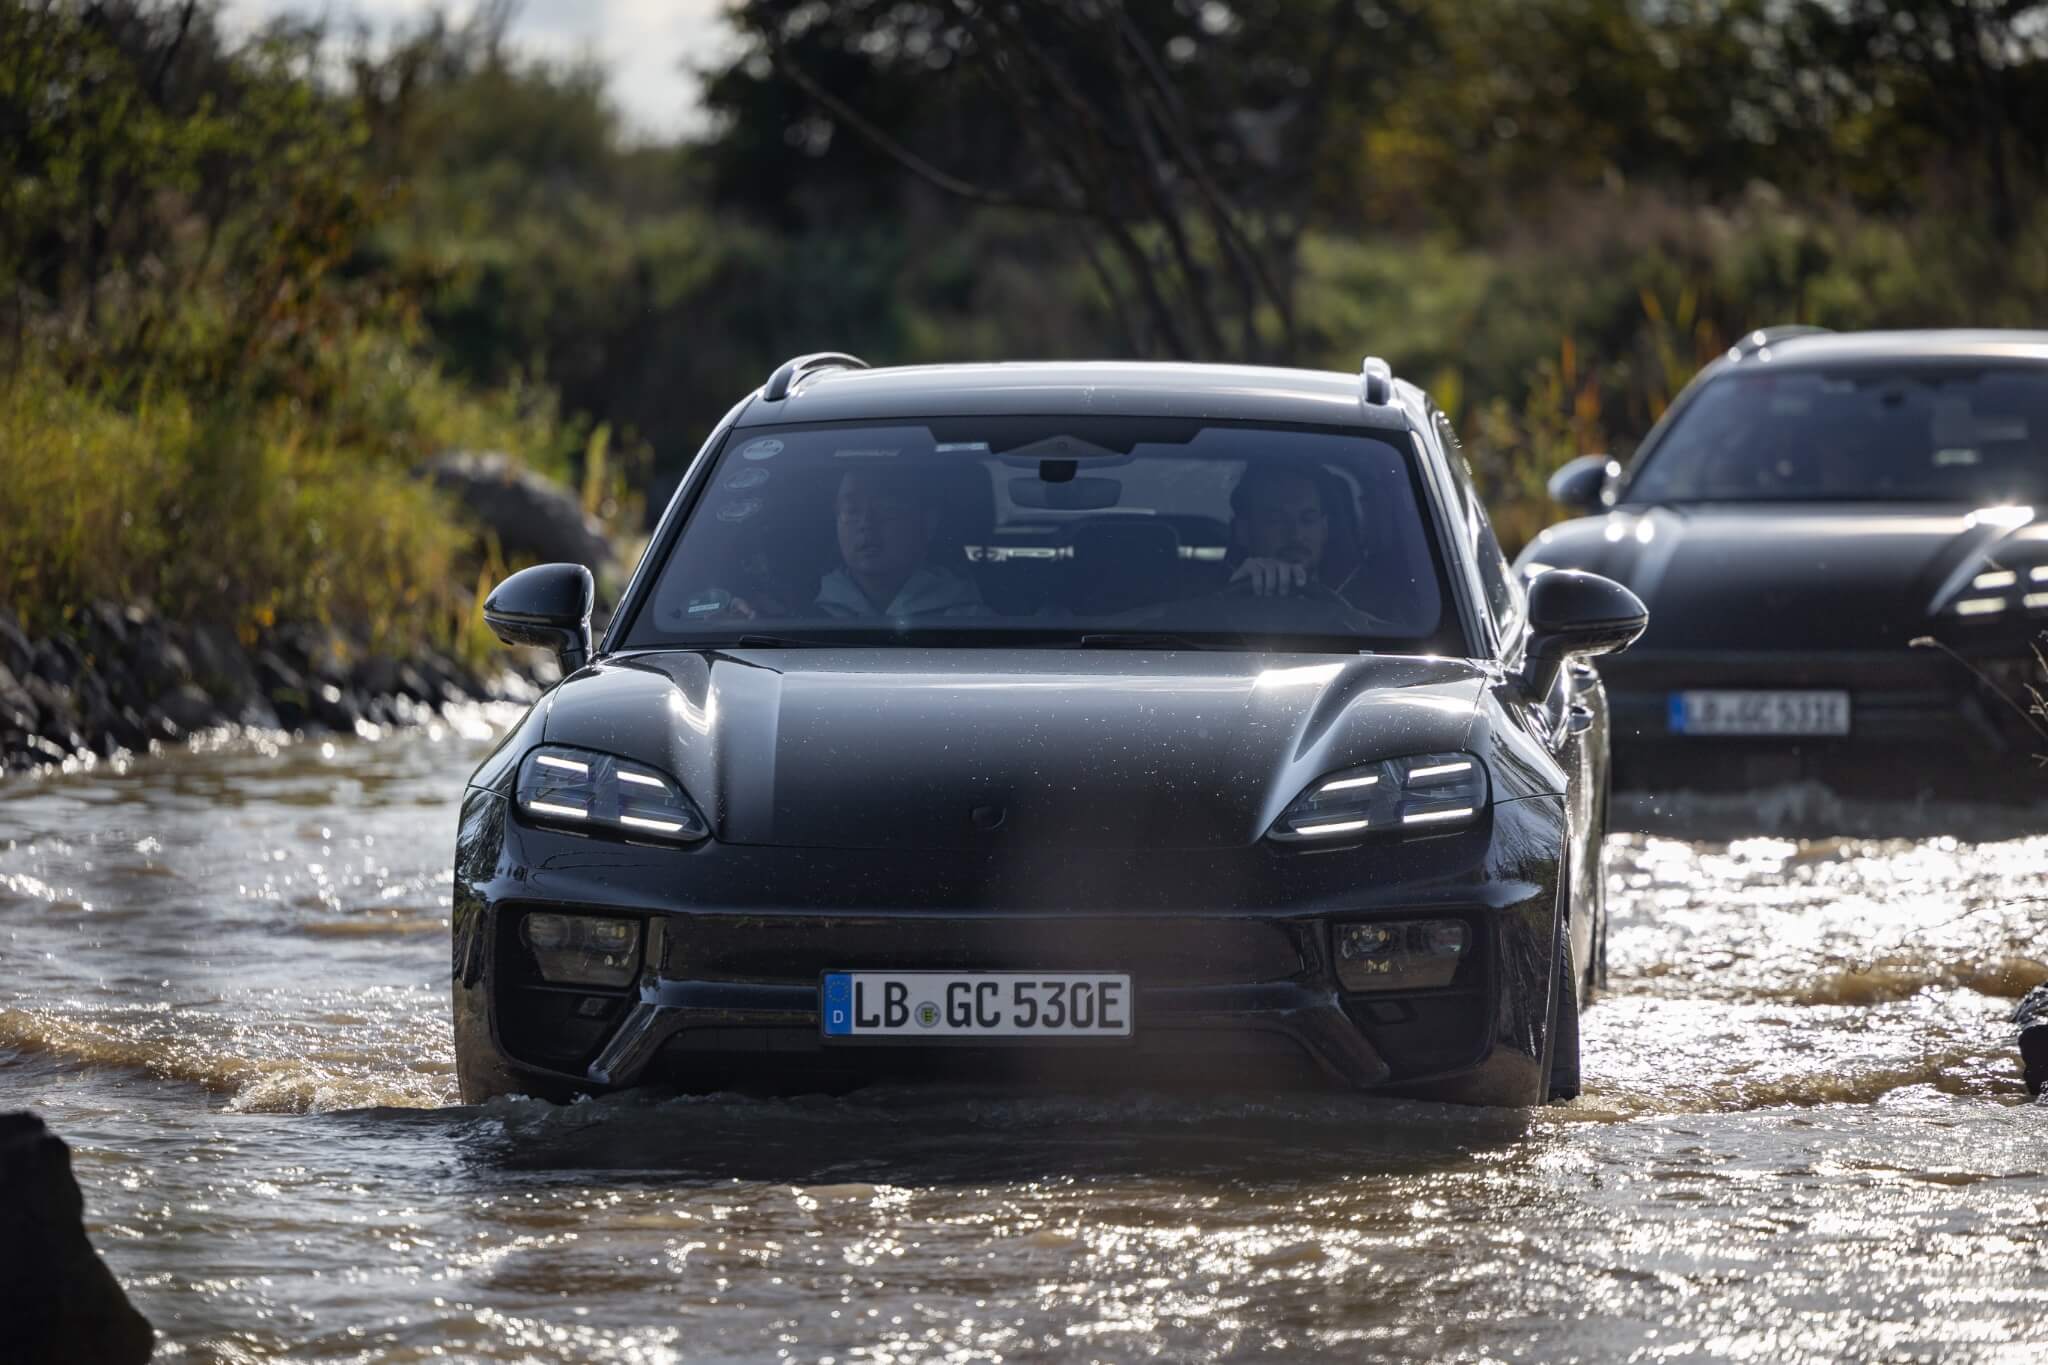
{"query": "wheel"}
pixel 1563 1045
pixel 1561 1039
pixel 1596 961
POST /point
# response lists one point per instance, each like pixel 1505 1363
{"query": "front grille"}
pixel 1160 951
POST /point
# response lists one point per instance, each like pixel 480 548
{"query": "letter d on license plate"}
pixel 913 1006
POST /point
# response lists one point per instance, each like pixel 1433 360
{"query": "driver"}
pixel 886 521
pixel 1280 533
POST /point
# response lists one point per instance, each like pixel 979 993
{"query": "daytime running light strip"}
pixel 1430 817
pixel 550 808
pixel 1333 827
pixel 640 822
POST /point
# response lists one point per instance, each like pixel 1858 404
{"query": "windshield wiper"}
pixel 754 641
pixel 1138 640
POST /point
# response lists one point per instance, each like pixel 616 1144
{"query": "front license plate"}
pixel 918 1005
pixel 1759 713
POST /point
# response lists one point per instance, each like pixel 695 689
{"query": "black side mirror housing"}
pixel 1586 483
pixel 547 605
pixel 1572 612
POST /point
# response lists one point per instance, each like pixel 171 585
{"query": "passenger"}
pixel 886 522
pixel 1281 526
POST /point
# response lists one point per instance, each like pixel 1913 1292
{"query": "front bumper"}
pixel 1227 989
pixel 1922 722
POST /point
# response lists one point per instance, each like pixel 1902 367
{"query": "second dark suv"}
pixel 1843 542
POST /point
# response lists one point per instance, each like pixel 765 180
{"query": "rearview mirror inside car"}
pixel 1073 495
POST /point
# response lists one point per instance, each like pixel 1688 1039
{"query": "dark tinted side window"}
pixel 1496 576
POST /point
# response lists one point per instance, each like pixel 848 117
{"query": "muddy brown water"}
pixel 222 978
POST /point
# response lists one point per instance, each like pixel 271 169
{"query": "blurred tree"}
pixel 1948 96
pixel 143 168
pixel 1528 102
pixel 1178 142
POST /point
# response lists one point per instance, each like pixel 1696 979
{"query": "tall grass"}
pixel 251 509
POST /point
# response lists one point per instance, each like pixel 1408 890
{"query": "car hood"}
pixel 904 749
pixel 1788 576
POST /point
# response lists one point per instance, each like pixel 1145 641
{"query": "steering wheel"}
pixel 1310 606
pixel 1321 593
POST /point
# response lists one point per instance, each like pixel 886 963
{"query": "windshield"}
pixel 1967 435
pixel 1099 531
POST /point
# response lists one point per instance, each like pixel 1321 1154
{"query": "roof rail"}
pixel 1770 336
pixel 1376 381
pixel 789 371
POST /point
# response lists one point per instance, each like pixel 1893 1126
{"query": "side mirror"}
pixel 547 605
pixel 1583 483
pixel 1571 613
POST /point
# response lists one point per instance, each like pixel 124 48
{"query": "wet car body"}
pixel 1042 808
pixel 1920 613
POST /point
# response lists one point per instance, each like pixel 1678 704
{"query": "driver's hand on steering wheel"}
pixel 1271 577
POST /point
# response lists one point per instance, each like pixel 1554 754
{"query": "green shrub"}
pixel 248 511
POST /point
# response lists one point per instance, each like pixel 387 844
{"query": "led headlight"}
pixel 579 789
pixel 582 950
pixel 1996 593
pixel 1425 793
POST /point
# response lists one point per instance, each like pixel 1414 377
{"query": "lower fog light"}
pixel 582 950
pixel 1401 954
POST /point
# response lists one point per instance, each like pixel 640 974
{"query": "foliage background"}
pixel 246 287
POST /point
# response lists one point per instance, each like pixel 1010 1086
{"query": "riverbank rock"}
pixel 2034 1058
pixel 58 1301
pixel 15 650
pixel 122 678
pixel 532 517
pixel 2032 1017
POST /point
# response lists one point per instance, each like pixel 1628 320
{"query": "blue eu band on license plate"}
pixel 914 1006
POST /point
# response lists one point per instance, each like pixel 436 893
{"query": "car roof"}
pixel 1094 388
pixel 1936 344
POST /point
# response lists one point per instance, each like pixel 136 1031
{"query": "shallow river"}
pixel 223 979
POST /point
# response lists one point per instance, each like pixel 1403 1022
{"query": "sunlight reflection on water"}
pixel 1803 1136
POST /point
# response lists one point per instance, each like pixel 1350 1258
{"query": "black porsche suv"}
pixel 1843 541
pixel 1106 722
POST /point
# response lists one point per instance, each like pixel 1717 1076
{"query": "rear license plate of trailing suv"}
pixel 920 1006
pixel 1759 713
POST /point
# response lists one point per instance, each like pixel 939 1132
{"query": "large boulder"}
pixel 532 517
pixel 2032 1017
pixel 59 1301
pixel 2034 1058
